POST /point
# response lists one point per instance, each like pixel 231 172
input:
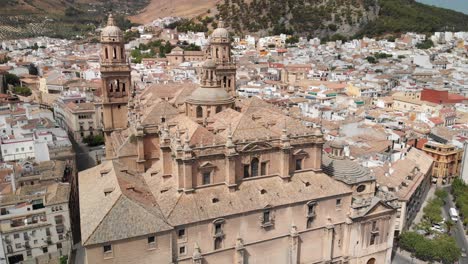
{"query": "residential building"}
pixel 447 161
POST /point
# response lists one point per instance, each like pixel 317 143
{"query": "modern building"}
pixel 245 184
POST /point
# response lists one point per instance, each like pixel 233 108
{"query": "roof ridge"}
pixel 102 219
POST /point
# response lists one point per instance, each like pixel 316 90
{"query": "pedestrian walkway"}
pixel 419 215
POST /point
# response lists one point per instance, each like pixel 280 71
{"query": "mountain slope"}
pixel 59 18
pixel 338 17
pixel 408 15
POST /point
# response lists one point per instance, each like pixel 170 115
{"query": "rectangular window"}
pixel 59 245
pixel 263 168
pixel 338 202
pixel 16 236
pixel 18 245
pixel 182 250
pixel 107 248
pixel 151 240
pixel 181 233
pixel 246 171
pixel 206 178
pixel 45 250
pixel 298 164
pixel 266 217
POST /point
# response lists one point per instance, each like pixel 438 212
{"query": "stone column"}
pixel 165 146
pixel 239 257
pixel 140 149
pixel 187 164
pixel 293 246
pixel 231 158
pixel 327 250
pixel 197 257
pixel 285 155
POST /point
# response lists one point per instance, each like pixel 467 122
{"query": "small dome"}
pixel 209 64
pixel 111 31
pixel 337 144
pixel 220 32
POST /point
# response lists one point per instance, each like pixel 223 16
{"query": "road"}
pixel 86 156
pixel 457 231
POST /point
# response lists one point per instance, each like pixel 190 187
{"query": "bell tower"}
pixel 220 53
pixel 116 82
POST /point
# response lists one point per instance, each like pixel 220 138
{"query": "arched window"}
pixel 111 88
pixel 254 167
pixel 123 87
pixel 115 53
pixel 107 53
pixel 218 109
pixel 199 112
pixel 117 88
pixel 371 261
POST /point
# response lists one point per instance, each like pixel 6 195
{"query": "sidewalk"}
pixel 419 215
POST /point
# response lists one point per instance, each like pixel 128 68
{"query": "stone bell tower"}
pixel 220 52
pixel 116 82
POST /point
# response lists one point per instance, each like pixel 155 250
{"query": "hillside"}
pixel 59 18
pixel 338 17
pixel 180 8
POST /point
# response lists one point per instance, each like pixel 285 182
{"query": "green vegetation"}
pixel 371 59
pixel 12 79
pixel 292 40
pixel 399 16
pixel 150 50
pixel 442 248
pixel 325 17
pixel 69 19
pixel 131 35
pixel 63 259
pixel 401 57
pixel 433 212
pixel 24 91
pixel 427 44
pixel 460 192
pixel 185 25
pixel 95 140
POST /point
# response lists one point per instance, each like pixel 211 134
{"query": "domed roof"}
pixel 111 30
pixel 220 32
pixel 210 96
pixel 338 144
pixel 346 170
pixel 209 64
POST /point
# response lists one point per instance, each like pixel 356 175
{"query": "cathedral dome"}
pixel 111 32
pixel 209 64
pixel 220 32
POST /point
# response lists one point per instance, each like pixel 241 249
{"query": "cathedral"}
pixel 207 177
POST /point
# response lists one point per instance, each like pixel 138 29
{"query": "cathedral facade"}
pixel 217 179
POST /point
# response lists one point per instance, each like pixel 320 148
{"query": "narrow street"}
pixel 457 231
